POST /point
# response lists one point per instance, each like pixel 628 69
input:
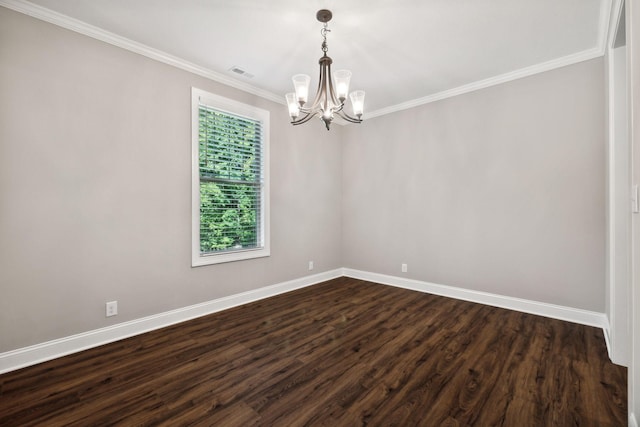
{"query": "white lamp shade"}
pixel 294 109
pixel 357 102
pixel 342 79
pixel 301 85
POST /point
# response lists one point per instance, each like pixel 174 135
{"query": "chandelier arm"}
pixel 319 90
pixel 305 119
pixel 330 98
pixel 339 108
pixel 334 99
pixel 348 117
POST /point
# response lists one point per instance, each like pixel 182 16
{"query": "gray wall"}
pixel 501 190
pixel 95 178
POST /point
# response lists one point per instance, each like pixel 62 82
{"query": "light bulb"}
pixel 342 79
pixel 357 102
pixel 301 85
pixel 294 109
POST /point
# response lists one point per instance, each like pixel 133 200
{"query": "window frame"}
pixel 236 108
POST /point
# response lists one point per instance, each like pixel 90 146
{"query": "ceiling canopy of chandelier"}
pixel 332 92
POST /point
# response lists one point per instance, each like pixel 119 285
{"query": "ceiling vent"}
pixel 239 71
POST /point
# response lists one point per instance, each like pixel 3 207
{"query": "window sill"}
pixel 220 258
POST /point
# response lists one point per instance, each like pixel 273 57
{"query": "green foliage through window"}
pixel 230 181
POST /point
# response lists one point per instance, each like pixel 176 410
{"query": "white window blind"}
pixel 231 184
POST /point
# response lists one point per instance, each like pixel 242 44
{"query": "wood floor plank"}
pixel 341 353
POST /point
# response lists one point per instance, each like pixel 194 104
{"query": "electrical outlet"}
pixel 112 308
pixel 310 265
pixel 404 268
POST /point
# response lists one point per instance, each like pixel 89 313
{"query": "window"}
pixel 230 180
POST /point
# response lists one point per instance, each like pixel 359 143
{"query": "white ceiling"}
pixel 402 52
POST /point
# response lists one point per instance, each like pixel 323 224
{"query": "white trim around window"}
pixel 261 248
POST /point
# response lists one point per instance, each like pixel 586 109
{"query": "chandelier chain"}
pixel 323 31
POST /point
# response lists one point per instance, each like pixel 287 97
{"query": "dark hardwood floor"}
pixel 341 353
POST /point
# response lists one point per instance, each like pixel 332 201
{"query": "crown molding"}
pixel 608 8
pixel 64 21
pixel 97 33
pixel 493 81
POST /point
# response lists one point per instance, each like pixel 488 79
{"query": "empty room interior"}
pixel 206 220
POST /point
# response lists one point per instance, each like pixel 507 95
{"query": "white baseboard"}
pixel 49 350
pixel 575 315
pixel 632 420
pixel 607 339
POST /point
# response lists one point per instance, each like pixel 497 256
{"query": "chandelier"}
pixel 331 94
